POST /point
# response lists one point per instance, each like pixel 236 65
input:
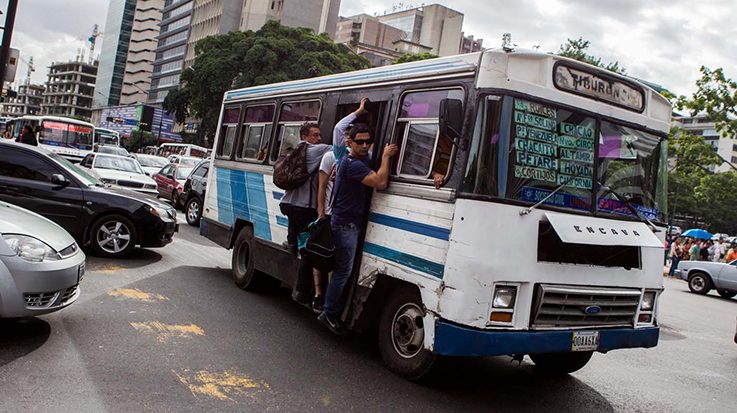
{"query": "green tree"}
pixel 578 49
pixel 275 53
pixel 139 139
pixel 716 97
pixel 717 197
pixel 409 57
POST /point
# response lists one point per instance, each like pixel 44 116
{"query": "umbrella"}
pixel 697 233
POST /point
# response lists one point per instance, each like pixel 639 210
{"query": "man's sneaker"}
pixel 318 303
pixel 331 323
pixel 302 299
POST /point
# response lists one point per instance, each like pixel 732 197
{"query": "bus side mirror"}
pixel 451 119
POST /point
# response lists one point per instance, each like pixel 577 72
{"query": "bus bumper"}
pixel 455 340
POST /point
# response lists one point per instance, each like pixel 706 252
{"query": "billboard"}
pixel 126 119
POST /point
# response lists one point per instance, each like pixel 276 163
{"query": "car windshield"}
pixel 75 170
pixel 117 163
pixel 114 150
pixel 189 161
pixel 183 173
pixel 152 161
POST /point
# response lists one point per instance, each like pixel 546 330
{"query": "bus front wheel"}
pixel 560 363
pixel 402 335
pixel 245 275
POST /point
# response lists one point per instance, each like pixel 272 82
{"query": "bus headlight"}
pixel 648 301
pixel 504 296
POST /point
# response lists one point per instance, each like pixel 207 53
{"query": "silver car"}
pixel 40 264
pixel 703 276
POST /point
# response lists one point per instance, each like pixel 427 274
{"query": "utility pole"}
pixel 7 36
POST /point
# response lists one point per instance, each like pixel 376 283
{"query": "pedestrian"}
pixel 731 254
pixel 676 254
pixel 27 136
pixel 694 252
pixel 705 250
pixel 720 250
pixel 299 205
pixel 352 185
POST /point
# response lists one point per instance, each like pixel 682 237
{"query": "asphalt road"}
pixel 168 331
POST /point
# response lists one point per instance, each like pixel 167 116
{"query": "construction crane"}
pixel 31 68
pixel 93 39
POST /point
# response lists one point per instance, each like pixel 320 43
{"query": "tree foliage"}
pixel 409 57
pixel 578 49
pixel 275 53
pixel 716 97
pixel 139 139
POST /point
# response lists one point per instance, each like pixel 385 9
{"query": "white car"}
pixel 151 164
pixel 120 171
pixel 189 161
pixel 40 264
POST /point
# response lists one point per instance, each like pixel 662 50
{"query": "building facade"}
pixel 318 15
pixel 170 49
pixel 28 102
pixel 434 26
pixel 726 147
pixel 141 52
pixel 211 17
pixel 114 53
pixel 69 89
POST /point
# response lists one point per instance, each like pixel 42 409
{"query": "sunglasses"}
pixel 363 141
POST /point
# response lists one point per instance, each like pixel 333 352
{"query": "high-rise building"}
pixel 69 89
pixel 318 15
pixel 724 146
pixel 211 17
pixel 141 52
pixel 378 42
pixel 171 48
pixel 28 101
pixel 471 45
pixel 435 26
pixel 114 53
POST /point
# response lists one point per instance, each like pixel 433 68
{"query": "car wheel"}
pixel 560 363
pixel 243 269
pixel 726 293
pixel 113 236
pixel 699 283
pixel 402 335
pixel 175 199
pixel 193 211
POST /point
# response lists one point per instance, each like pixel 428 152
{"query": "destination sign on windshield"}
pixel 598 86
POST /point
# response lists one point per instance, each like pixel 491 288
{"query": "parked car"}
pixel 111 221
pixel 674 230
pixel 119 171
pixel 703 276
pixel 151 163
pixel 193 193
pixel 190 161
pixel 40 264
pixel 112 150
pixel 719 236
pixel 170 182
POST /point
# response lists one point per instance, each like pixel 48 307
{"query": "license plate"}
pixel 80 272
pixel 585 341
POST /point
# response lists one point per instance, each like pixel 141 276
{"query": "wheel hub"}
pixel 408 333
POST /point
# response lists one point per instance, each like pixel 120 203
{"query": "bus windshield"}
pixel 64 134
pixel 105 137
pixel 545 147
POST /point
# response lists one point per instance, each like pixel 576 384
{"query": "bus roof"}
pixel 55 118
pixel 443 66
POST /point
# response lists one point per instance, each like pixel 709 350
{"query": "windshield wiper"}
pixel 629 205
pixel 527 210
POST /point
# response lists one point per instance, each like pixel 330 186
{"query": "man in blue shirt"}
pixel 352 185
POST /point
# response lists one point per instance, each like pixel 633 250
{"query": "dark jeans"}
pixel 673 265
pixel 346 241
pixel 299 218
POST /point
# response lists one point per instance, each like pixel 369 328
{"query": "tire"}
pixel 193 211
pixel 726 293
pixel 113 236
pixel 244 273
pixel 699 283
pixel 560 363
pixel 401 336
pixel 175 199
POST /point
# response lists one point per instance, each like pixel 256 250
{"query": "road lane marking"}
pixel 165 332
pixel 136 294
pixel 222 386
pixel 106 268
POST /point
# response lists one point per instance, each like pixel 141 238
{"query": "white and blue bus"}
pixel 545 238
pixel 70 138
pixel 106 137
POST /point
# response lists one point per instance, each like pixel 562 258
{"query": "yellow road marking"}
pixel 165 332
pixel 221 386
pixel 136 294
pixel 107 268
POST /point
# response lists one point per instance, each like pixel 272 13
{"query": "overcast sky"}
pixel 663 41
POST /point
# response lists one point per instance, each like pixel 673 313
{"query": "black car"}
pixel 111 221
pixel 194 192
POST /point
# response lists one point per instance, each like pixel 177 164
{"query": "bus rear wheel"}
pixel 560 363
pixel 402 335
pixel 245 275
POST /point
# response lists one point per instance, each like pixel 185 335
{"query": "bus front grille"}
pixel 560 306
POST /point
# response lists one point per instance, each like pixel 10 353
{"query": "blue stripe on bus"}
pixel 411 226
pixel 282 221
pixel 258 209
pixel 429 68
pixel 242 195
pixel 411 261
pixel 224 197
pixel 277 195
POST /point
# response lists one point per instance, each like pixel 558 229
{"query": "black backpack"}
pixel 319 250
pixel 290 169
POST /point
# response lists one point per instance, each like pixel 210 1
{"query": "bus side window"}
pixel 228 129
pixel 255 133
pixel 291 116
pixel 424 154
